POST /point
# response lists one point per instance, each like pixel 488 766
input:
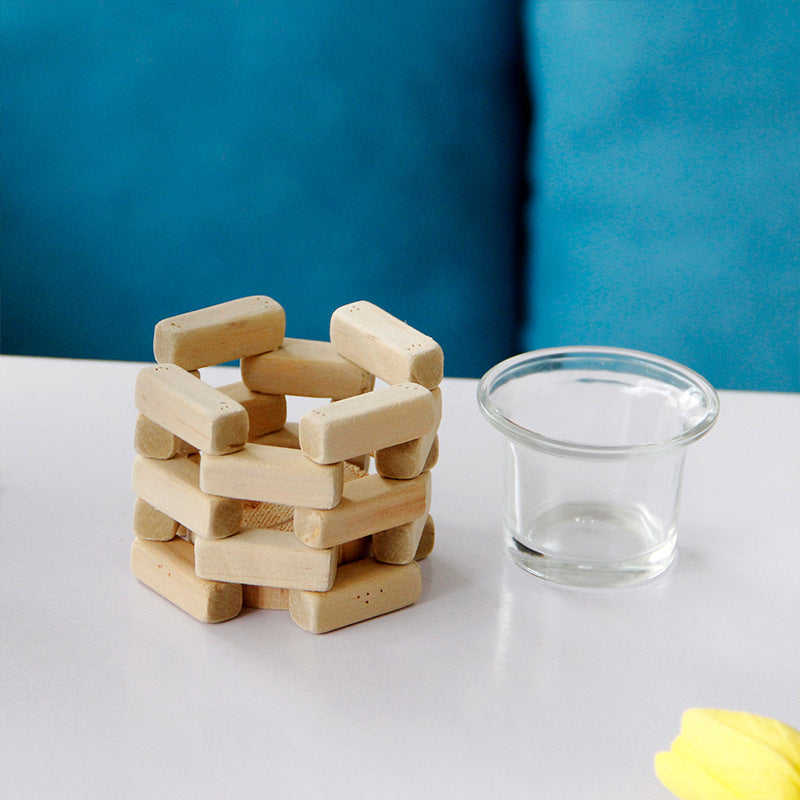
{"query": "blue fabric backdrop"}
pixel 666 179
pixel 162 156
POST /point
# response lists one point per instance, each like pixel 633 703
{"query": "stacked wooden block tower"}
pixel 236 506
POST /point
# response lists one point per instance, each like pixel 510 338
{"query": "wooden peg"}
pixel 398 545
pixel 409 459
pixel 305 368
pixel 259 557
pixel 272 475
pixel 385 346
pixel 152 524
pixel 363 589
pixel 192 410
pixel 369 505
pixel 220 333
pixel 427 540
pixel 154 441
pixel 173 487
pixel 268 597
pixel 168 568
pixel 265 412
pixel 367 422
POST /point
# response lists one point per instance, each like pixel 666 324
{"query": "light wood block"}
pixel 173 487
pixel 355 550
pixel 409 459
pixel 259 557
pixel 268 597
pixel 363 589
pixel 305 368
pixel 369 505
pixel 398 545
pixel 154 441
pixel 427 540
pixel 265 412
pixel 192 410
pixel 385 346
pixel 287 436
pixel 272 475
pixel 152 524
pixel 365 423
pixel 220 333
pixel 168 568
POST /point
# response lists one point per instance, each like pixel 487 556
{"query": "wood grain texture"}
pixel 259 557
pixel 272 475
pixel 368 422
pixel 173 487
pixel 305 368
pixel 369 505
pixel 385 346
pixel 168 568
pixel 267 597
pixel 363 590
pixel 192 410
pixel 408 459
pixel 220 333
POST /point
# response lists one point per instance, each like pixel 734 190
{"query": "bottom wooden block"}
pixel 362 590
pixel 168 568
pixel 269 597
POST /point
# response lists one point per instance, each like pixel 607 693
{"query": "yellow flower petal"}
pixel 737 759
pixel 688 781
pixel 777 735
pixel 731 755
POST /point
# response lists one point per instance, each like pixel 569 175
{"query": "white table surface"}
pixel 493 685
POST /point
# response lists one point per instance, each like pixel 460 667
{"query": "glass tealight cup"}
pixel 595 439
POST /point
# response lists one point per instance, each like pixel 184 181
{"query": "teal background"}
pixel 502 175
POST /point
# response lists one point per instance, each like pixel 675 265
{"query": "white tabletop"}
pixel 493 685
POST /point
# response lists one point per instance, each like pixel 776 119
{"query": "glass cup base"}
pixel 592 546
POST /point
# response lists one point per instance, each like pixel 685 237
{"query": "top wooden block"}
pixel 305 368
pixel 385 346
pixel 220 333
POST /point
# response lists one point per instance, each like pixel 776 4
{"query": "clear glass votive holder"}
pixel 595 446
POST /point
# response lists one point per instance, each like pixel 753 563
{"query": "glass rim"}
pixel 513 367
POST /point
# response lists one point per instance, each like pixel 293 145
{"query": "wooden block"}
pixel 152 524
pixel 398 545
pixel 154 441
pixel 385 346
pixel 363 589
pixel 196 412
pixel 268 597
pixel 287 436
pixel 368 505
pixel 409 459
pixel 265 412
pixel 272 475
pixel 274 516
pixel 355 550
pixel 168 568
pixel 220 333
pixel 173 487
pixel 365 423
pixel 427 540
pixel 260 557
pixel 305 368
